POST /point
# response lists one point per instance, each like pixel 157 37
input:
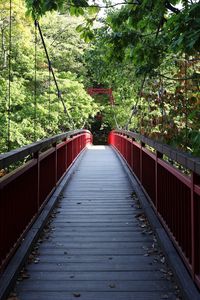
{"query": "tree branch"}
pixel 171 8
pixel 175 79
pixel 106 6
pixel 116 4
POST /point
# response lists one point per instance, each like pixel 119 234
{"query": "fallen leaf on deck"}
pixel 138 206
pixel 164 296
pixel 76 294
pixel 25 276
pixel 139 215
pixel 12 296
pixel 163 271
pixel 2 172
pixel 143 225
pixel 162 260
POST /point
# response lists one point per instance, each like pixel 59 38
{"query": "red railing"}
pixel 24 191
pixel 175 196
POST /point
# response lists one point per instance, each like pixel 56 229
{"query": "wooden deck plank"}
pixel 98 295
pixel 71 276
pixel 84 258
pixel 108 234
pixel 92 251
pixel 95 285
pixel 105 238
pixel 95 247
pixel 99 245
pixel 93 266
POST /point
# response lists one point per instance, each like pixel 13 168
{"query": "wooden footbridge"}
pixel 118 222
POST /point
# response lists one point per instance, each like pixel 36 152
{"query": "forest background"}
pixel 148 52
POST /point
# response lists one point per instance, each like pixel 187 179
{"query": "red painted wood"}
pixel 24 191
pixel 95 91
pixel 175 197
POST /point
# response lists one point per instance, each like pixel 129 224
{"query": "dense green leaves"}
pixel 149 54
pixel 184 30
pixel 36 114
pixel 146 51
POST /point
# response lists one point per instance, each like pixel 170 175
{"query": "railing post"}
pixel 77 144
pixel 126 147
pixel 37 157
pixel 195 179
pixel 129 150
pixel 132 140
pixel 56 165
pixel 72 149
pixel 111 138
pixel 65 141
pixel 121 143
pixel 81 142
pixel 158 155
pixel 141 160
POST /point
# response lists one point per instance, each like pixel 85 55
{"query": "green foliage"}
pixel 41 116
pixel 149 55
pixel 184 30
pixel 146 51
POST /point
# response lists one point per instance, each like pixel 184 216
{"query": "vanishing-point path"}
pixel 96 248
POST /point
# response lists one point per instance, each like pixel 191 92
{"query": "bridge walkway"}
pixel 97 244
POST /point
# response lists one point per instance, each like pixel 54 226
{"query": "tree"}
pixel 160 76
pixel 35 110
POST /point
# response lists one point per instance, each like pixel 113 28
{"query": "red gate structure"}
pixel 25 191
pixel 174 195
pixel 95 91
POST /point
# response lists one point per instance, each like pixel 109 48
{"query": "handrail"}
pixel 174 196
pixel 26 189
pixel 15 155
pixel 183 158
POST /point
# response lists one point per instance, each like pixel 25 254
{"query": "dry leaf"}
pixel 164 296
pixel 162 260
pixel 2 172
pixel 112 285
pixel 163 271
pixel 76 294
pixel 25 276
pixel 143 225
pixel 139 215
